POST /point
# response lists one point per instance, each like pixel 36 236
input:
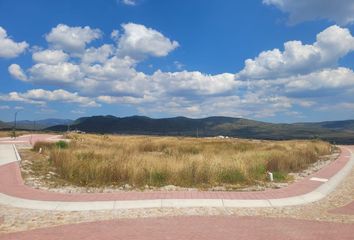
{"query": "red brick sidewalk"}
pixel 223 228
pixel 12 184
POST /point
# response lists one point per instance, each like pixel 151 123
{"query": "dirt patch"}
pixel 346 210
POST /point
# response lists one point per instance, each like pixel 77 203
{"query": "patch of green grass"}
pixel 279 176
pixel 258 172
pixel 231 176
pixel 61 144
pixel 158 178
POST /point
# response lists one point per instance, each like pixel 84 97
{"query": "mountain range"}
pixel 35 125
pixel 334 131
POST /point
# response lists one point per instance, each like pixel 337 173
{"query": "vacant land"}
pixel 101 160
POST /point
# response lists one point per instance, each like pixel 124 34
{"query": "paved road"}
pixel 203 228
pixel 30 139
pixel 7 154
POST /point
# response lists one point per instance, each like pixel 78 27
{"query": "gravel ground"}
pixel 16 219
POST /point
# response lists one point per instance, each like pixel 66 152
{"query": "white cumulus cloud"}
pixel 100 55
pixel 298 58
pixel 16 71
pixel 41 96
pixel 138 41
pixel 50 56
pixel 8 47
pixel 197 82
pixel 323 79
pixel 64 72
pixel 72 39
pixel 339 11
pixel 129 2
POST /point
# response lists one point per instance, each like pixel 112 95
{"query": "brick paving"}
pixel 205 228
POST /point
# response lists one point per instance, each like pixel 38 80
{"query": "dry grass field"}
pixel 99 160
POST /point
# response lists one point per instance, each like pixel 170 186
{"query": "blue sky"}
pixel 270 60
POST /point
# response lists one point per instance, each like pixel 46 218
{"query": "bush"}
pixel 231 176
pixel 61 144
pixel 258 171
pixel 158 178
pixel 279 176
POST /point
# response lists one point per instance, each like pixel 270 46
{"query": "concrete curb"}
pixel 316 195
pixel 18 157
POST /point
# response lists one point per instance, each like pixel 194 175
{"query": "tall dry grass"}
pixel 94 160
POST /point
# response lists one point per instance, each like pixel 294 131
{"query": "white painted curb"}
pixel 18 157
pixel 313 196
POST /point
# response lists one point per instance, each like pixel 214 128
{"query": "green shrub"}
pixel 279 176
pixel 231 176
pixel 258 171
pixel 158 178
pixel 61 144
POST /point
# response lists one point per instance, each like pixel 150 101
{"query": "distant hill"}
pixel 335 125
pixel 40 124
pixel 4 125
pixel 336 131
